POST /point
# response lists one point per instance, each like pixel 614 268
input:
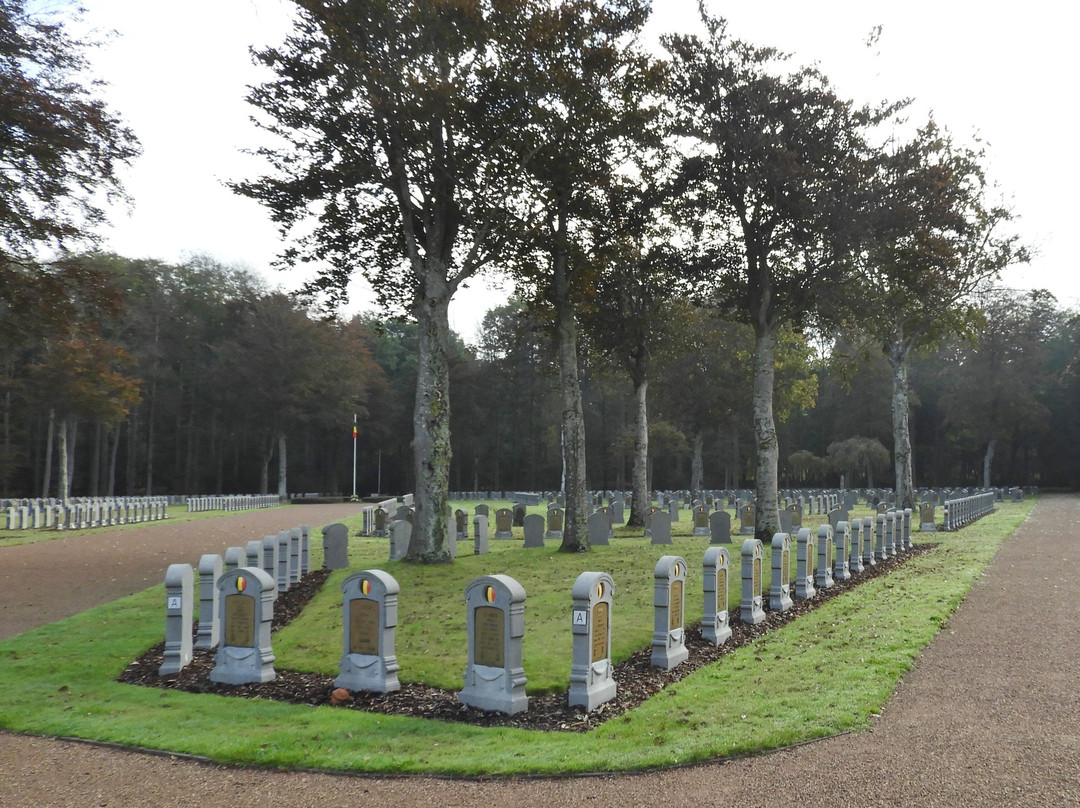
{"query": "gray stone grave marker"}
pixel 519 515
pixel 720 527
pixel 235 557
pixel 270 556
pixel 715 627
pixel 208 631
pixel 494 676
pixel 305 550
pixel 926 518
pixel 534 530
pixel 842 551
pixel 246 607
pixel 381 522
pixel 369 617
pixel 855 556
pixel 825 551
pixel 651 511
pixel 780 589
pixel 284 556
pixel 400 535
pixel 701 521
pixel 253 552
pixel 296 536
pixel 906 531
pixel 881 552
pixel 504 522
pixel 591 673
pixel 661 528
pixel 335 547
pixel 669 611
pixel 461 524
pixel 179 609
pixel 598 528
pixel 750 608
pixel 806 551
pixel 555 517
pixel 868 541
pixel 747 520
pixel 480 534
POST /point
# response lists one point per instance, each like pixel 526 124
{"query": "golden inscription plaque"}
pixel 785 568
pixel 756 585
pixel 675 609
pixel 600 632
pixel 488 633
pixel 240 621
pixel 721 590
pixel 363 626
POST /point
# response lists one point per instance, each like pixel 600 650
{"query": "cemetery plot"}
pixel 636 677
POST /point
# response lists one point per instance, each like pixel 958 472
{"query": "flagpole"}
pixel 354 456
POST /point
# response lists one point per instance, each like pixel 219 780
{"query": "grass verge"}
pixel 827 672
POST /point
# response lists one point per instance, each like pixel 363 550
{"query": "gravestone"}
pixel 305 550
pixel 555 518
pixel 825 557
pixel 669 589
pixel 253 552
pixel 179 609
pixel 660 528
pixel 926 518
pixel 235 557
pixel 720 527
pixel 494 676
pixel 246 609
pixel 461 524
pixel 400 536
pixel 785 521
pixel 838 515
pixel 747 520
pixel 534 530
pixel 868 541
pixel 206 635
pixel 780 589
pixel 906 514
pixel 519 515
pixel 714 625
pixel 806 551
pixel 855 556
pixel 382 520
pixel 618 508
pixel 591 673
pixel 842 551
pixel 598 528
pixel 481 510
pixel 296 571
pixel 701 521
pixel 504 522
pixel 890 533
pixel 610 514
pixel 335 547
pixel 284 556
pixel 480 534
pixel 880 550
pixel 369 617
pixel 673 509
pixel 651 511
pixel 750 608
pixel 270 556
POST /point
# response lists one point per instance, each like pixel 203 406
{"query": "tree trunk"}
pixel 114 450
pixel 697 465
pixel 902 463
pixel 46 485
pixel 63 489
pixel 431 421
pixel 640 481
pixel 988 461
pixel 575 539
pixel 72 426
pixel 264 470
pixel 95 465
pixel 768 450
pixel 282 483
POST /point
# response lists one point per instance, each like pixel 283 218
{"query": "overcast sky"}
pixel 177 74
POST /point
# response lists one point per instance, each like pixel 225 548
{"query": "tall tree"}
pixel 771 163
pixel 587 85
pixel 931 238
pixel 401 121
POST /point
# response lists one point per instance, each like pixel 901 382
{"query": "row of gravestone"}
pixel 235 596
pixel 231 502
pixel 85 512
pixel 495 614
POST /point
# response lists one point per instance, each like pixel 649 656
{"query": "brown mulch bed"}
pixel 637 679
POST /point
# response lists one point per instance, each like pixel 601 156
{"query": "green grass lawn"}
pixel 826 672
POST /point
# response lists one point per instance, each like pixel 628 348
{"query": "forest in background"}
pixel 195 378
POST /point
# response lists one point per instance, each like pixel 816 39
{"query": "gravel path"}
pixel 990 716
